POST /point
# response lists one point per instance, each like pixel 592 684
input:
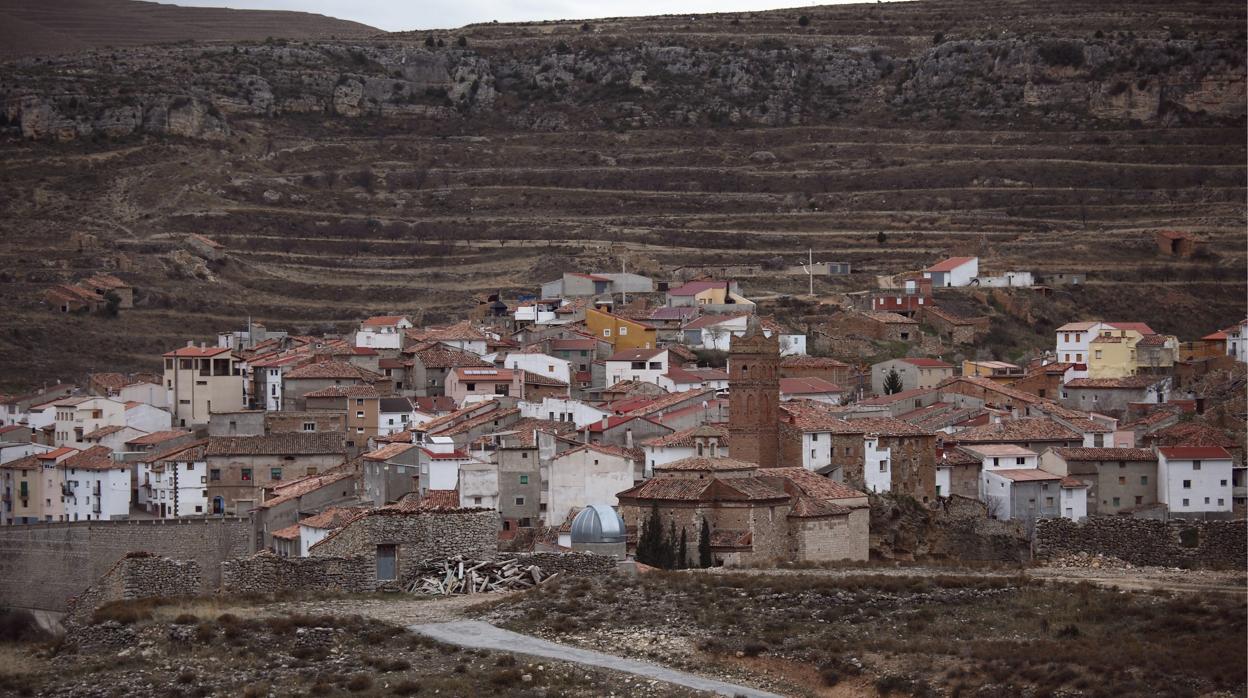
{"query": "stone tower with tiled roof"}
pixel 754 396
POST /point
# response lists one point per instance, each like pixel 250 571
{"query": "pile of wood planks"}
pixel 457 575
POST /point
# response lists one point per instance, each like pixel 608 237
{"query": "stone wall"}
pixel 42 566
pixel 954 528
pixel 266 573
pixel 420 537
pixel 136 576
pixel 570 564
pixel 1213 544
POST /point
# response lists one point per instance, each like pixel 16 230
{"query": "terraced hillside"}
pixel 39 27
pixel 352 177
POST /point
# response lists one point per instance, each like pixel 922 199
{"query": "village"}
pixel 615 414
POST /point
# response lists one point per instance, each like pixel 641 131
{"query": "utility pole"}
pixel 809 268
pixel 623 270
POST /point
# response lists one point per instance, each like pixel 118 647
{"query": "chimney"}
pixel 628 438
pixel 190 343
pixel 605 421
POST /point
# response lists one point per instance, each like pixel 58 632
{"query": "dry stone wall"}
pixel 1212 544
pixel 420 537
pixel 570 564
pixel 266 573
pixel 42 566
pixel 136 576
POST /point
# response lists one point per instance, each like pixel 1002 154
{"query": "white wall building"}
pixel 77 416
pixel 478 485
pixel 715 332
pixel 953 272
pixel 1194 479
pixel 97 488
pixel 1237 341
pixel 541 364
pixel 394 414
pixel 148 418
pixel 641 365
pixel 562 409
pixel 877 469
pixel 382 332
pixel 588 474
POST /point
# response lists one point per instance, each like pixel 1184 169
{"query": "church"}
pixel 759 510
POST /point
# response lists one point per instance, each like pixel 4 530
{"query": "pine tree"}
pixel 704 546
pixel 682 560
pixel 892 382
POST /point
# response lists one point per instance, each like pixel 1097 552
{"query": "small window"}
pixel 1187 484
pixel 1138 500
pixel 275 473
pixel 1143 479
pixel 190 466
pixel 309 426
pixel 1223 483
pixel 814 437
pixel 1220 501
pixel 359 414
pixel 606 332
pixel 1195 465
pixel 359 401
pixel 1020 461
pixel 476 500
pixel 883 466
pixel 1187 502
pixel 623 331
pixel 524 479
pixel 519 501
pixel 1122 480
pixel 214 474
pixel 1206 500
pixel 245 475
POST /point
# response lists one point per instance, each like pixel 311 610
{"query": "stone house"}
pixel 755 515
pixel 1035 433
pixel 240 468
pixel 1029 494
pixel 324 372
pixel 431 362
pixel 305 422
pixel 104 284
pixel 951 327
pixel 396 541
pixel 1177 243
pixel 957 473
pixel 625 431
pixel 360 407
pixel 831 370
pixel 879 326
pixel 1114 396
pixel 1119 480
pixel 293 500
pixel 389 473
pixel 915 373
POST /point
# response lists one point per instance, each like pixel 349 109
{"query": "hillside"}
pixel 408 173
pixel 37 27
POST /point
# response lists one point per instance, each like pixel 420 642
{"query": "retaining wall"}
pixel 1212 544
pixel 136 576
pixel 42 566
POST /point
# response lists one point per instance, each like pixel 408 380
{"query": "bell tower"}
pixel 754 396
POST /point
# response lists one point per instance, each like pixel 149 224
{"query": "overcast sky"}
pixel 399 15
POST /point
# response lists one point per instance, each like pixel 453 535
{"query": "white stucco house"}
pixel 97 488
pixel 382 332
pixel 715 333
pixel 1194 479
pixel 641 365
pixel 953 272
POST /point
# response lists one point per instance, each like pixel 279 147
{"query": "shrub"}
pixel 405 688
pixel 359 682
pixel 505 677
pixel 1062 53
pixel 462 42
pixel 803 21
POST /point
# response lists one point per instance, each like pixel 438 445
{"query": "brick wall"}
pixel 43 565
pixel 136 576
pixel 1214 544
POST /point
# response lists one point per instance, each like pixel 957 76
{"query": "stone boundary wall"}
pixel 1210 544
pixel 420 537
pixel 266 573
pixel 570 564
pixel 43 566
pixel 136 576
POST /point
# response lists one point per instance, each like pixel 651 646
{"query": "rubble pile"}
pixel 1086 560
pixel 459 575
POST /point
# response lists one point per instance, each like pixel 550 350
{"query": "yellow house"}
pixel 708 293
pixel 1112 354
pixel 620 332
pixel 32 488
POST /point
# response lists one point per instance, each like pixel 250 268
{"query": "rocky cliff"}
pixel 595 77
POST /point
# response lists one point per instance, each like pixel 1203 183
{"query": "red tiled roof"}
pixel 388 451
pixel 1084 455
pixel 297 443
pixel 439 356
pixel 606 449
pixel 1124 383
pixel 1137 326
pixel 1194 452
pixel 686 437
pixel 332 369
pixel 706 464
pixel 712 320
pixel 1190 434
pixel 737 489
pixel 803 361
pixel 383 320
pixel 807 385
pixel 333 517
pixel 693 288
pixel 1025 474
pixel 949 264
pixel 635 354
pixel 198 352
pixel 813 485
pixel 304 485
pixel 357 391
pixel 662 402
pixel 1025 429
pixel 927 363
pixel 157 437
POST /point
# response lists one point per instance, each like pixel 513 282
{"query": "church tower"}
pixel 754 396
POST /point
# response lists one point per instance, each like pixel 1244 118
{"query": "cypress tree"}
pixel 704 546
pixel 650 543
pixel 683 559
pixel 669 546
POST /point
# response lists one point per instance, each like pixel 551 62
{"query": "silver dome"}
pixel 598 523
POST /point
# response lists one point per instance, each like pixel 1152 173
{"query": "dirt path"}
pixel 480 635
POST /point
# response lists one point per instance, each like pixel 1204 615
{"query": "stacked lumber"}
pixel 457 575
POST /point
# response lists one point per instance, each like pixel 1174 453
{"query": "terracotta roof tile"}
pixel 1025 429
pixel 292 444
pixel 686 437
pixel 1106 454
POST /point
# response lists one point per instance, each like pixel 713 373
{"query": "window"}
pixel 470 386
pixel 199 509
pixel 1020 461
pixel 476 500
pixel 1138 500
pixel 1187 484
pixel 359 414
pixel 1048 501
pixel 656 365
pixel 814 437
pixel 1220 501
pixel 1098 354
pixel 1223 483
pixel 519 501
pixel 309 426
pixel 1187 502
pixel 359 430
pixel 1117 502
pixel 275 473
pixel 883 466
pixel 606 332
pixel 1143 479
pixel 359 401
pixel 245 474
pixel 812 454
pixel 1195 465
pixel 1122 480
pixel 996 462
pixel 524 479
pixel 203 480
pixel 214 474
